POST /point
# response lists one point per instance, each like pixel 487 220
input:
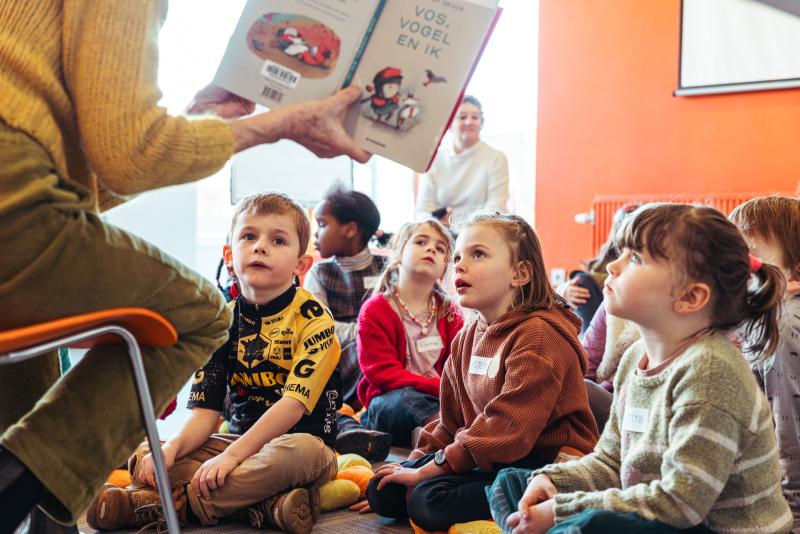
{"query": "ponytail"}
pixel 386 279
pixel 763 305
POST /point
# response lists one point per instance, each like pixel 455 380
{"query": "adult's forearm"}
pixel 262 128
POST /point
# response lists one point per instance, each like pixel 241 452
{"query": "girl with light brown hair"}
pixel 512 392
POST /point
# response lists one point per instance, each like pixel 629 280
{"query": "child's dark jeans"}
pixel 399 411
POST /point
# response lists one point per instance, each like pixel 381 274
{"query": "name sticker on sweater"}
pixel 370 281
pixel 479 365
pixel 635 419
pixel 430 343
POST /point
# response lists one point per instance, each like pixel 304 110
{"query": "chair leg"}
pixel 146 403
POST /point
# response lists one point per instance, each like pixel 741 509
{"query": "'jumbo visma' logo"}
pixel 318 337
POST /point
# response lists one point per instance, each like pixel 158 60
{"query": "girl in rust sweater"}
pixel 512 392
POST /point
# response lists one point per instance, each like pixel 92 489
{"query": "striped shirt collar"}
pixel 360 261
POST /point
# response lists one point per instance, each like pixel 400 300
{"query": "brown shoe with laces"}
pixel 114 507
pixel 290 511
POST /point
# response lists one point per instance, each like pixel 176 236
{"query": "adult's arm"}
pixel 315 124
pixel 132 143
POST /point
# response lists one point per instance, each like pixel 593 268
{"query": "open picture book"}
pixel 412 60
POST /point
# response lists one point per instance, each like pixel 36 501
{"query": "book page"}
pixel 488 3
pixel 412 73
pixel 288 51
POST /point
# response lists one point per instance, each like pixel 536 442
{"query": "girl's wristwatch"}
pixel 441 460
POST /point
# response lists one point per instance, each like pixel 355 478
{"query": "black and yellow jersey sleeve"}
pixel 315 354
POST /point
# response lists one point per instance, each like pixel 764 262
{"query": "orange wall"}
pixel 608 123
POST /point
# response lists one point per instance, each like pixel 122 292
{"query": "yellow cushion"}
pixel 475 527
pixel 418 530
pixel 223 427
pixel 351 460
pixel 337 494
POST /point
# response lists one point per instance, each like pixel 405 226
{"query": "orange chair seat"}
pixel 148 327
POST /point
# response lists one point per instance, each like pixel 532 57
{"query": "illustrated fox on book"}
pixel 412 60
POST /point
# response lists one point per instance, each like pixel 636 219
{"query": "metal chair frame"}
pixel 143 393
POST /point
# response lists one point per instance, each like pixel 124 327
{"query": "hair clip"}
pixel 755 264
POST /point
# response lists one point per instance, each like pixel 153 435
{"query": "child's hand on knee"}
pixel 540 489
pixel 397 474
pixel 538 519
pixel 147 470
pixel 212 473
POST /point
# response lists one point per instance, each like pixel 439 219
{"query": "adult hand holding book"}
pixel 315 124
pixel 411 59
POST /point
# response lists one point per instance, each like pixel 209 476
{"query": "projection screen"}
pixel 739 45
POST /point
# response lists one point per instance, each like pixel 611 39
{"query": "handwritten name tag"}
pixel 430 343
pixel 478 365
pixel 635 419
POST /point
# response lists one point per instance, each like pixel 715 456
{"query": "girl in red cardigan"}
pixel 404 333
pixel 512 393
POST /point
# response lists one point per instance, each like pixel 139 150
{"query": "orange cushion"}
pixel 358 474
pixel 120 478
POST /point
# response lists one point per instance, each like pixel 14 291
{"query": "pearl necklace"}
pixel 431 311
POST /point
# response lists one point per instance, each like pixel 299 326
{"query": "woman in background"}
pixel 465 176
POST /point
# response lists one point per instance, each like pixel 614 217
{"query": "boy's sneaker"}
pixel 371 444
pixel 114 507
pixel 289 511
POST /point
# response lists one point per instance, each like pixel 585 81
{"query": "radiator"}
pixel 604 208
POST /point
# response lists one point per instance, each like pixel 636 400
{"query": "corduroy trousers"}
pixel 57 259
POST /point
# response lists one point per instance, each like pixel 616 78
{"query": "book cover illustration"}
pixel 295 42
pixel 385 104
pixel 413 71
pixel 288 51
